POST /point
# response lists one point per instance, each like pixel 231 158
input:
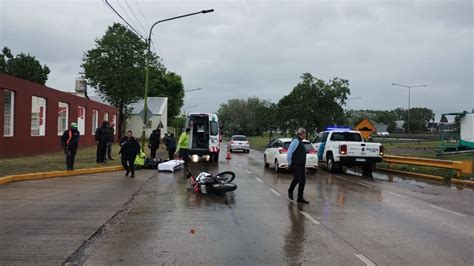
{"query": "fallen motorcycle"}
pixel 215 184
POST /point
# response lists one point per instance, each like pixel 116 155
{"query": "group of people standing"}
pixel 155 140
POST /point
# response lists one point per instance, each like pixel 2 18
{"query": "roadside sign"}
pixel 366 128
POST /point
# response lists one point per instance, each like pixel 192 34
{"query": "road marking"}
pixel 364 259
pixel 443 209
pixel 248 172
pixel 364 184
pixel 397 195
pixel 309 217
pixel 258 179
pixel 275 192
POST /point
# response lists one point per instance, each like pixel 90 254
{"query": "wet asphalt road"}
pixel 155 219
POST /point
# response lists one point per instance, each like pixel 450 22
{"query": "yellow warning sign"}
pixel 365 127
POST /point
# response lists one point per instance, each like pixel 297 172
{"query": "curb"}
pixel 430 177
pixel 45 175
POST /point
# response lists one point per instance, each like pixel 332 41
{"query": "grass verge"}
pixel 85 158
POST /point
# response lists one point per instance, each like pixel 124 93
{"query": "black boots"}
pixel 290 195
pixel 302 200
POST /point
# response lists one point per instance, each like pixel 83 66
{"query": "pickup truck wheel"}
pixel 265 161
pixel 368 169
pixel 277 167
pixel 331 164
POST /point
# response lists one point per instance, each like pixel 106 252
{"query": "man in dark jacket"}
pixel 297 160
pixel 101 139
pixel 154 143
pixel 170 143
pixel 111 132
pixel 70 142
pixel 129 148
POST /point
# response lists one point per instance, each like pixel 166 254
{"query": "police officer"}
pixel 154 143
pixel 297 161
pixel 101 139
pixel 70 142
pixel 129 148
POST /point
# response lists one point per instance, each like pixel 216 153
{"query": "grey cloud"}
pixel 260 48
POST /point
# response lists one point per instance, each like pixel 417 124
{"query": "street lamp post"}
pixel 147 72
pixel 409 93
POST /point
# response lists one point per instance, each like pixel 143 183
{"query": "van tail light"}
pixel 282 150
pixel 381 150
pixel 313 151
pixel 343 149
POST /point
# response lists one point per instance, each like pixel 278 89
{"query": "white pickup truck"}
pixel 344 147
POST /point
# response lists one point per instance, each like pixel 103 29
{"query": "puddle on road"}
pixel 410 181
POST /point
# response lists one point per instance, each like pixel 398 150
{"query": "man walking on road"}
pixel 297 160
pixel 101 139
pixel 69 142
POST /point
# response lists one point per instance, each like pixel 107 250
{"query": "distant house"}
pixel 381 127
pixel 157 116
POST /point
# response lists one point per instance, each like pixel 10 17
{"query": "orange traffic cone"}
pixel 228 156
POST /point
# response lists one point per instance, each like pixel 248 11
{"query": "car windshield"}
pixel 306 144
pixel 239 138
pixel 346 136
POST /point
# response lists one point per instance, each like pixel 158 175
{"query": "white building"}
pixel 157 116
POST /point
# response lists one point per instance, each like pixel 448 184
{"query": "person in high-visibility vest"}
pixel 183 145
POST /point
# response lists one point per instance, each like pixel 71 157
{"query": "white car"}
pixel 383 134
pixel 239 142
pixel 277 150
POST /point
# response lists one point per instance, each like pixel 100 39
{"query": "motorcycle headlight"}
pixel 195 158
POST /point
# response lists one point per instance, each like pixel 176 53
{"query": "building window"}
pixel 8 112
pixel 95 121
pixel 81 119
pixel 63 114
pixel 106 117
pixel 38 116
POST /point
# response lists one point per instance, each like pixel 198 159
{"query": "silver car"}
pixel 239 142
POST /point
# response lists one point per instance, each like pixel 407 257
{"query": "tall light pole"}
pixel 409 93
pixel 147 73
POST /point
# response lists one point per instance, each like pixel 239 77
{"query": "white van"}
pixel 204 138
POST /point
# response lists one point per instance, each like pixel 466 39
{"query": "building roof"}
pixel 156 106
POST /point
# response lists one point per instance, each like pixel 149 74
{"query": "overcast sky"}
pixel 260 48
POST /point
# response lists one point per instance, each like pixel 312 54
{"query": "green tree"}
pixel 167 84
pixel 116 68
pixel 250 117
pixel 313 104
pixel 23 66
pixel 419 117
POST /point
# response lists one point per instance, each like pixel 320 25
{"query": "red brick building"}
pixel 33 117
